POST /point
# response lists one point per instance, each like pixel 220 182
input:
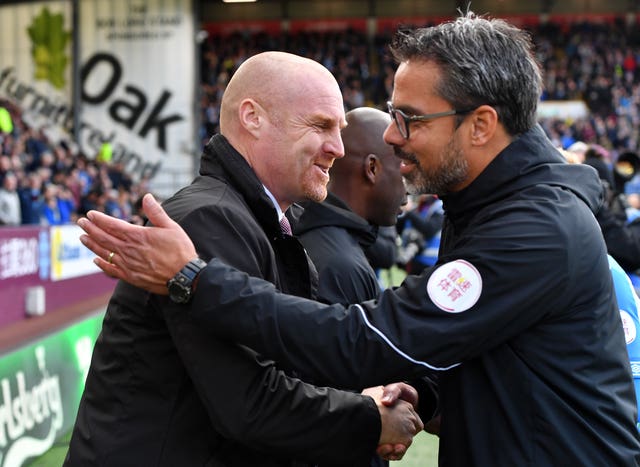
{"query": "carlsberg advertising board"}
pixel 40 389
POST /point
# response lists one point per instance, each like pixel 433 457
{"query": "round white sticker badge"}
pixel 455 286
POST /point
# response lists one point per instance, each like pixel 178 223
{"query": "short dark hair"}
pixel 484 61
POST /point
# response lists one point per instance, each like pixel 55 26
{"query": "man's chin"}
pixel 317 195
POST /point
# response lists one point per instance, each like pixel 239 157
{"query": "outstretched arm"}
pixel 148 256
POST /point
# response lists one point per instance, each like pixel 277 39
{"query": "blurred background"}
pixel 102 101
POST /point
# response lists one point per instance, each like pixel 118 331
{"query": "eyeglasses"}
pixel 402 120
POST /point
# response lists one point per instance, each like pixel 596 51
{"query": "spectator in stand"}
pixel 6 122
pixel 420 228
pixel 95 199
pixel 36 145
pixel 57 208
pixel 578 151
pixel 10 201
pixel 31 198
pixel 118 203
pixel 622 238
pixel 599 158
pixel 86 173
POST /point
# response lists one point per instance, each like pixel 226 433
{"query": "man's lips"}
pixel 406 166
pixel 323 168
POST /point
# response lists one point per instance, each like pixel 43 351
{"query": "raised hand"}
pixel 146 257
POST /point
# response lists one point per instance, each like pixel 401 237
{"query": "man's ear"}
pixel 371 168
pixel 250 116
pixel 484 125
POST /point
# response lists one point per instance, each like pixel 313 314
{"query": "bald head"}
pixel 272 79
pixel 283 114
pixel 368 177
pixel 361 137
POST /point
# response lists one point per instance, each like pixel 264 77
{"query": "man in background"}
pixel 365 192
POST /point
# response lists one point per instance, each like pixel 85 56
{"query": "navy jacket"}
pixel 335 238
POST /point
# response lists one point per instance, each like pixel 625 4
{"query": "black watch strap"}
pixel 181 285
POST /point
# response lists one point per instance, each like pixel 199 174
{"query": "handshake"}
pixel 400 422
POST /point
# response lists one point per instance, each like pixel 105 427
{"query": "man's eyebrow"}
pixel 324 120
pixel 408 109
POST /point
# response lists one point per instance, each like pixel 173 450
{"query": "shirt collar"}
pixel 275 203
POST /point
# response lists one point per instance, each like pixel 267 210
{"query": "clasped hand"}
pixel 400 422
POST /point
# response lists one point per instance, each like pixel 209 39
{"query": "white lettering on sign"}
pixel 26 409
pixel 18 257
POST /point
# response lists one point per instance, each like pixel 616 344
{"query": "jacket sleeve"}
pixel 502 272
pixel 247 398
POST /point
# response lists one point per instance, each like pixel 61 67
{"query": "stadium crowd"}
pixel 593 62
pixel 47 183
pixel 596 63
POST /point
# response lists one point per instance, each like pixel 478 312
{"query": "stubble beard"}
pixel 315 191
pixel 451 171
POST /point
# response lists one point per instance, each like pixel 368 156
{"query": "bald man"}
pixel 161 391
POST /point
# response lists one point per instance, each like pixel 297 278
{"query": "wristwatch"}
pixel 181 285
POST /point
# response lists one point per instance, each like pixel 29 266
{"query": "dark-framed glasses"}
pixel 402 120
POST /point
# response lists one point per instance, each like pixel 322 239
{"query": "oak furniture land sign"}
pixel 40 389
pixel 138 87
pixel 136 80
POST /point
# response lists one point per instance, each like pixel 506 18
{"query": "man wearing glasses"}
pixel 518 315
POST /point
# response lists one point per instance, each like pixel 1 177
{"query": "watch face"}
pixel 178 293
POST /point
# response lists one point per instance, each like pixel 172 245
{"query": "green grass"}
pixel 422 453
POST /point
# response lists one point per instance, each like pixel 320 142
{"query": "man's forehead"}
pixel 414 82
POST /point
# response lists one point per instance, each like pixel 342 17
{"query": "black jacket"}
pixel 519 316
pixel 335 238
pixel 622 239
pixel 162 392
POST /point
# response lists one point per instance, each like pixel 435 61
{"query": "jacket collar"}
pixel 529 160
pixel 334 212
pixel 219 154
